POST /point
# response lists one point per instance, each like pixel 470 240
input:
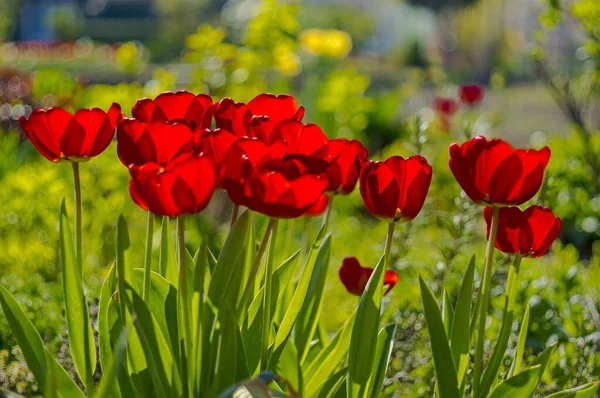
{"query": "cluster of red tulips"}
pixel 470 95
pixel 268 160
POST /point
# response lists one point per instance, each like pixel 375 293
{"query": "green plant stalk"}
pixel 89 384
pixel 148 256
pixel 235 211
pixel 289 237
pixel 183 285
pixel 257 260
pixel 305 239
pixel 78 229
pixel 327 217
pixel 485 298
pixel 388 246
pixel 266 324
pixel 512 284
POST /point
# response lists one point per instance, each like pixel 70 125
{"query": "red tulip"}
pixel 158 142
pixel 184 185
pixel 318 208
pixel 344 169
pixel 216 143
pixel 63 137
pixel 304 142
pixel 445 106
pixel 195 110
pixel 232 116
pixel 276 107
pixel 396 189
pixel 529 232
pixel 494 173
pixel 283 189
pixel 237 116
pixel 355 278
pixel 242 159
pixel 471 94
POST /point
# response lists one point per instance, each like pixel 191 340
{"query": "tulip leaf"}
pixel 520 386
pixel 38 358
pixel 364 333
pixel 200 271
pixel 105 346
pixel 81 338
pixel 543 359
pixel 230 261
pixel 227 355
pixel 516 365
pixel 252 326
pixel 311 309
pixel 385 343
pixel 333 384
pixel 167 262
pixel 328 359
pixel 447 312
pixel 162 367
pixel 315 255
pixel 584 391
pixel 210 346
pixel 288 366
pixel 460 339
pixel 112 369
pixel 440 349
pixel 162 303
pixel 493 366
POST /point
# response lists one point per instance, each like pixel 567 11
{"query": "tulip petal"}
pixel 98 130
pixel 276 107
pixel 71 142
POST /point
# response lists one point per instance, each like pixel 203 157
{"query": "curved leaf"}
pixel 522 385
pixel 291 315
pixel 442 356
pixel 516 365
pixel 364 333
pixel 38 358
pixel 385 343
pixel 460 338
pixel 319 369
pixel 308 318
pixel 230 261
pixel 584 391
pixel 81 338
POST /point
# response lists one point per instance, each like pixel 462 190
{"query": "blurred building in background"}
pixel 103 20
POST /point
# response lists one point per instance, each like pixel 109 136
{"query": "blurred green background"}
pixel 365 69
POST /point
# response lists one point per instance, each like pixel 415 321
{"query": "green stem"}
pixel 183 282
pixel 485 298
pixel 148 256
pixel 305 238
pixel 327 217
pixel 234 214
pixel 388 246
pixel 266 324
pixel 289 237
pixel 491 370
pixel 78 229
pixel 89 383
pixel 257 261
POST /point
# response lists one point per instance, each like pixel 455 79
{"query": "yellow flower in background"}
pixel 312 41
pixel 339 43
pixel 131 57
pixel 286 61
pixel 331 43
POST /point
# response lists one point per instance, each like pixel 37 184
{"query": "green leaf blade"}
pixel 81 338
pixel 442 355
